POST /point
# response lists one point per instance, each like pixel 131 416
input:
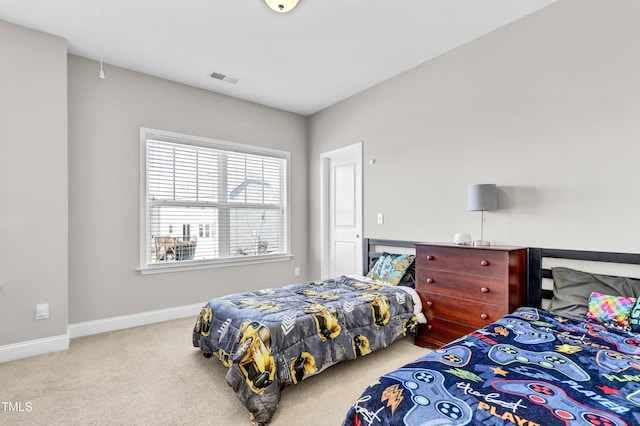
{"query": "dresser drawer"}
pixel 472 261
pixel 463 311
pixel 483 289
pixel 438 332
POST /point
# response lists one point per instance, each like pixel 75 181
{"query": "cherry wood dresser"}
pixel 464 288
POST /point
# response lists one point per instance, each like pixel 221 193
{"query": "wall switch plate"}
pixel 296 271
pixel 380 218
pixel 42 311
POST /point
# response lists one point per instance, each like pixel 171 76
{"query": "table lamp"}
pixel 483 197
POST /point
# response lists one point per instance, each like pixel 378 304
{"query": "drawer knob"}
pixel 485 263
pixel 430 280
pixel 429 257
pixel 429 327
pixel 484 290
pixel 429 303
pixel 484 316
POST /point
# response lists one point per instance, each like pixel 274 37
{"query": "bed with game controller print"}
pixel 575 362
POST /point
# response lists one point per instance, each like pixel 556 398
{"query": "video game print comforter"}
pixel 276 337
pixel 529 368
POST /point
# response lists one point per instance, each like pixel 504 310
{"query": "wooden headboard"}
pixel 537 272
pixel 371 250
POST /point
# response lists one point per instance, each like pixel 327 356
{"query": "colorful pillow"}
pixel 390 268
pixel 610 311
pixel 634 317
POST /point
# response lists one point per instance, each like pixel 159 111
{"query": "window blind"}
pixel 213 201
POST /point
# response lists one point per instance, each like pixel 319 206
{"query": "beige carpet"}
pixel 153 375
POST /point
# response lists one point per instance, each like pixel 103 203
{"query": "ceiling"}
pixel 303 61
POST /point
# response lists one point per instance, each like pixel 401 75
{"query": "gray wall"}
pixel 104 161
pixel 546 108
pixel 70 214
pixel 33 188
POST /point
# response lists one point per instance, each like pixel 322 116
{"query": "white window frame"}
pixel 145 267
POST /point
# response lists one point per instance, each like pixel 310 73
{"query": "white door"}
pixel 342 211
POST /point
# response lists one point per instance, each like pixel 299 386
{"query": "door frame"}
pixel 325 159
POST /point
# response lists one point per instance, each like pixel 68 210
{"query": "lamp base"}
pixel 481 243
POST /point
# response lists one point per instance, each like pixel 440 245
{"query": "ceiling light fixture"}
pixel 281 5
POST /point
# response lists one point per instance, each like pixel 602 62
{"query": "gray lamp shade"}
pixel 482 197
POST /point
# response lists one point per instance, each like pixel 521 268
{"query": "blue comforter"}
pixel 277 337
pixel 528 368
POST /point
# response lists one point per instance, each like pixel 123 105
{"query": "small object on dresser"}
pixel 462 238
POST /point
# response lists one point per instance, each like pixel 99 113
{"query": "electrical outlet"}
pixel 296 271
pixel 42 311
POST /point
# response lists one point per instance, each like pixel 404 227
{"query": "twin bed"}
pixel 276 337
pixel 532 367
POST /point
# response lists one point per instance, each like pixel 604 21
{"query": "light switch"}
pixel 380 218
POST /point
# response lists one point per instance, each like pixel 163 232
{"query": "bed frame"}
pixel 535 292
pixel 370 255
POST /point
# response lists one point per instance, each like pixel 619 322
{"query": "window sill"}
pixel 193 265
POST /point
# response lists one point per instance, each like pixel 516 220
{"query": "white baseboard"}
pixel 59 343
pixel 34 347
pixel 134 320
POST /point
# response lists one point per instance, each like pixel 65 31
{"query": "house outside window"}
pixel 206 202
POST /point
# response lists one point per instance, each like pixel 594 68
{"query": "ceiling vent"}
pixel 224 77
